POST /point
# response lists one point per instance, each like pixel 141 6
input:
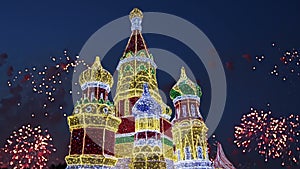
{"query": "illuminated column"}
pixel 93 123
pixel 135 68
pixel 189 130
pixel 147 151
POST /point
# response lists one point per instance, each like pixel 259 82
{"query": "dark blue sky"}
pixel 32 31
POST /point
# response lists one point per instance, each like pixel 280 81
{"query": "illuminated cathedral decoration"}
pixel 135 131
pixel 93 123
pixel 189 130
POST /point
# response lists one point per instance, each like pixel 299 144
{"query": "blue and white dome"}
pixel 146 105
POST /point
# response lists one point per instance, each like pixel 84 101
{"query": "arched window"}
pixel 199 152
pixel 177 113
pixel 92 96
pixel 193 110
pixel 184 110
pixel 178 155
pixel 187 152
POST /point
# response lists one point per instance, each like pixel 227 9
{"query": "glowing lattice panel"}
pixel 187 136
pixel 93 128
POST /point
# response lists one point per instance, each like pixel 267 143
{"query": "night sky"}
pixel 32 32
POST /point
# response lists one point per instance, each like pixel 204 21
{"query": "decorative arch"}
pixel 146 149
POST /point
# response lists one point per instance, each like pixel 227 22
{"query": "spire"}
pixel 97 63
pixel 146 90
pixel 221 161
pixel 136 45
pixel 136 67
pixel 136 17
pixel 183 74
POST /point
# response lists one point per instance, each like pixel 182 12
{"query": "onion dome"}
pixel 96 74
pixel 185 87
pixel 146 105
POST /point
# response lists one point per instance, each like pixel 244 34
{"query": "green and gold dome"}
pixel 95 74
pixel 185 87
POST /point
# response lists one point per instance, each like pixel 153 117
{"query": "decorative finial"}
pixel 183 74
pixel 97 63
pixel 146 90
pixel 136 13
pixel 136 17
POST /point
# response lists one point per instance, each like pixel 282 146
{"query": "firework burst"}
pixel 50 81
pixel 286 63
pixel 270 137
pixel 291 151
pixel 29 147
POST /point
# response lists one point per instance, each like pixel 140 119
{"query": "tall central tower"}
pixel 137 67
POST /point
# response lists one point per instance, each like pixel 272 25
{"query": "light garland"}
pixel 136 59
pixel 96 84
pixel 186 97
pixel 194 164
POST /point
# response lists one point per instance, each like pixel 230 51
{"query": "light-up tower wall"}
pixel 93 123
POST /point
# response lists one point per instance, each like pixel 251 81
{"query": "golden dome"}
pixel 136 13
pixel 96 73
pixel 185 86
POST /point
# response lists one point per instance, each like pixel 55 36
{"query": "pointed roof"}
pixel 221 161
pixel 185 86
pixel 146 105
pixel 136 45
